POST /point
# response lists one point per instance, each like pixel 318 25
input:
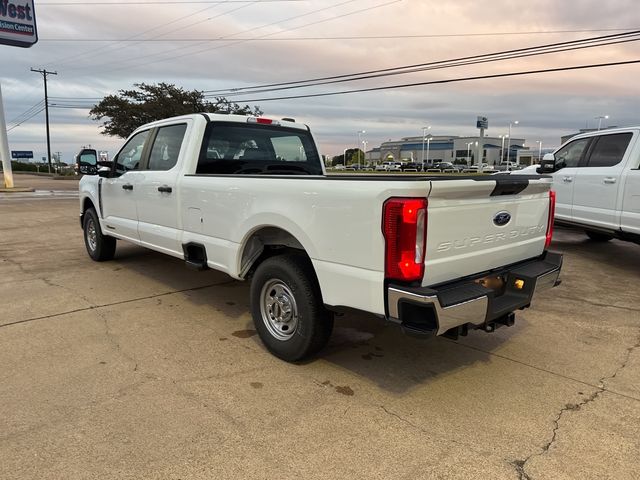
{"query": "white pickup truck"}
pixel 596 177
pixel 249 196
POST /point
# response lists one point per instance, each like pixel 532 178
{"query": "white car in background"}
pixel 596 177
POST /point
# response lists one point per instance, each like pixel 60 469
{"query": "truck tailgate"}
pixel 475 225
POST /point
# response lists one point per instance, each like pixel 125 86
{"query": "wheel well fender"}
pixel 264 242
pixel 87 203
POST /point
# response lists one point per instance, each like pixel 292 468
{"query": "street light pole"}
pixel 344 157
pixel 468 149
pixel 428 142
pixel 539 142
pixel 599 118
pixel 364 142
pixel 424 134
pixel 360 132
pixel 509 143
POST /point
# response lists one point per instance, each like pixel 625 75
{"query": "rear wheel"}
pixel 287 308
pixel 99 247
pixel 598 237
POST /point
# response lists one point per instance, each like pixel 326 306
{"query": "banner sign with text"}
pixel 21 154
pixel 18 23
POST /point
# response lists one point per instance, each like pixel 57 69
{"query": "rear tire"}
pixel 598 237
pixel 287 308
pixel 100 247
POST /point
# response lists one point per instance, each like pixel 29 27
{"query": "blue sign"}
pixel 21 154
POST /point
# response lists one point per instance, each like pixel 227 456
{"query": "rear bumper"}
pixel 435 311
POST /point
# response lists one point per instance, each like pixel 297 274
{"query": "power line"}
pixel 426 64
pixel 207 49
pixel 25 120
pixel 479 59
pixel 436 82
pixel 136 37
pixel 156 2
pixel 439 82
pixel 26 112
pixel 364 37
pixel 133 38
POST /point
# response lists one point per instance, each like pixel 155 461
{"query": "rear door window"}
pixel 609 150
pixel 166 147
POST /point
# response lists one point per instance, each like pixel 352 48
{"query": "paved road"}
pixel 139 368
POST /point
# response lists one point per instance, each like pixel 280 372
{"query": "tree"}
pixel 129 109
pixel 352 157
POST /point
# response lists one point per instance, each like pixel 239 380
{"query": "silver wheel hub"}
pixel 92 234
pixel 279 310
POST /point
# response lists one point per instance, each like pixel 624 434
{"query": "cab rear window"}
pixel 241 149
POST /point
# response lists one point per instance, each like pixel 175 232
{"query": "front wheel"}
pixel 287 308
pixel 100 247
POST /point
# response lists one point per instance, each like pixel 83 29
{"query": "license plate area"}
pixel 496 283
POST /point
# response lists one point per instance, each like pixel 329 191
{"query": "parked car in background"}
pixel 411 167
pixel 596 179
pixel 442 166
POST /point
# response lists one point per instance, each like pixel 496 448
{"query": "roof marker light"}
pixel 262 121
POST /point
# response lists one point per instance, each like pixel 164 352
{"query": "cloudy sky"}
pixel 99 47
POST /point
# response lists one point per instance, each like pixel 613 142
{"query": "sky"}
pixel 99 47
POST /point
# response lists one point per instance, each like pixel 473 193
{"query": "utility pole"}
pixel 44 73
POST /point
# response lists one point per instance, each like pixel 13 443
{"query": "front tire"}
pixel 598 237
pixel 287 308
pixel 100 247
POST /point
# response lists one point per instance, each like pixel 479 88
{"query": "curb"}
pixel 16 190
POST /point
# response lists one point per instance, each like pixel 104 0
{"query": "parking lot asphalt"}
pixel 140 368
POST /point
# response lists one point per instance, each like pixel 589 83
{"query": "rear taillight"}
pixel 552 214
pixel 404 226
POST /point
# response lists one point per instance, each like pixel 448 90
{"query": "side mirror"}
pixel 87 161
pixel 548 164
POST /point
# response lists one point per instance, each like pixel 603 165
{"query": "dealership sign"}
pixel 21 154
pixel 18 23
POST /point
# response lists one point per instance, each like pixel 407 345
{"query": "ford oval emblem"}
pixel 501 218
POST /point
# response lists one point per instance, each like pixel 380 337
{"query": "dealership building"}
pixel 447 149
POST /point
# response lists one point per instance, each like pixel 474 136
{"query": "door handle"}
pixel 127 186
pixel 165 189
pixel 567 179
pixel 609 180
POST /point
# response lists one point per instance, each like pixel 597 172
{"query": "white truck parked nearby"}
pixel 249 196
pixel 596 177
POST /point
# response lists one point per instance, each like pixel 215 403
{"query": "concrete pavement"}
pixel 140 368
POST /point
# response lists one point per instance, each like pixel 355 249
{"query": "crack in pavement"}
pixel 113 339
pixel 596 304
pixel 79 295
pixel 520 465
pixel 15 263
pixel 544 370
pixel 431 436
pixel 122 302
